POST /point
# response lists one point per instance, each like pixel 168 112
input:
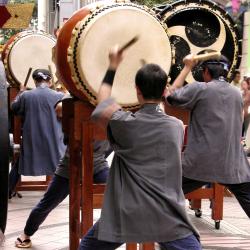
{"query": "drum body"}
pixel 196 27
pixel 82 59
pixel 27 49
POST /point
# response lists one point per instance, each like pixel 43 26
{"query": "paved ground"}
pixel 53 234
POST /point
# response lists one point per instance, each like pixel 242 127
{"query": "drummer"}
pixel 213 152
pixel 143 201
pixel 42 138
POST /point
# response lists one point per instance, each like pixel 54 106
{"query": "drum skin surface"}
pixel 27 49
pixel 98 30
pixel 196 27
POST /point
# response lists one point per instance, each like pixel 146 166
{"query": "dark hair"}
pixel 151 79
pixel 236 72
pixel 40 75
pixel 217 68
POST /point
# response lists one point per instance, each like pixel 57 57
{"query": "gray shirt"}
pixel 214 152
pixel 42 137
pixel 143 200
pixel 99 159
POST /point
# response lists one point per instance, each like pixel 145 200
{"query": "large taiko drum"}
pixel 198 26
pixel 27 49
pixel 83 44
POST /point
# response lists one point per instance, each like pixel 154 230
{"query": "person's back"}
pixel 216 107
pixel 40 117
pixel 214 152
pixel 147 160
pixel 42 138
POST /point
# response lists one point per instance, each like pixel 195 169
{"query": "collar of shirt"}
pixel 151 107
pixel 43 85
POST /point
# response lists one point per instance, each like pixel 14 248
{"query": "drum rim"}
pixel 72 58
pixel 14 82
pixel 215 9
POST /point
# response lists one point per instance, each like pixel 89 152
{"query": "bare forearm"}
pixel 104 92
pixel 115 57
pixel 179 81
pixel 58 110
pixel 189 62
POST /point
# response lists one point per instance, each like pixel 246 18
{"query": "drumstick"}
pixel 207 56
pixel 52 77
pixel 27 77
pixel 143 62
pixel 128 44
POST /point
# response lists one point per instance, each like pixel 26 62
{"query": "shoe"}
pixel 23 243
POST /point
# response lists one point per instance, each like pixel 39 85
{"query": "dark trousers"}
pixel 14 176
pixel 57 191
pixel 241 191
pixel 89 242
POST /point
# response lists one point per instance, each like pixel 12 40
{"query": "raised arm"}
pixel 189 62
pixel 115 57
pixel 107 106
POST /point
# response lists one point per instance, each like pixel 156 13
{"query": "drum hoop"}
pixel 76 33
pixel 10 75
pixel 213 8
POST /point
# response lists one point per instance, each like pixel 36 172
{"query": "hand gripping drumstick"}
pixel 207 56
pixel 128 44
pixel 27 77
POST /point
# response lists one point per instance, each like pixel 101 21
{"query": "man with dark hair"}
pixel 143 200
pixel 151 81
pixel 236 79
pixel 42 138
pixel 213 152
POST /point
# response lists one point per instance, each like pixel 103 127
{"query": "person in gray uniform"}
pixel 143 201
pixel 214 152
pixel 42 138
pixel 58 190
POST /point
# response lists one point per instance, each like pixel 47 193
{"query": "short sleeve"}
pixel 18 105
pixel 59 98
pixel 62 98
pixel 119 128
pixel 186 97
pixel 104 111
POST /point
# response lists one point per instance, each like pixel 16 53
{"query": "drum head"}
pixel 106 27
pixel 29 49
pixel 195 27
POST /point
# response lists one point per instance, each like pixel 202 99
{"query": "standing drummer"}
pixel 214 152
pixel 42 137
pixel 143 201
